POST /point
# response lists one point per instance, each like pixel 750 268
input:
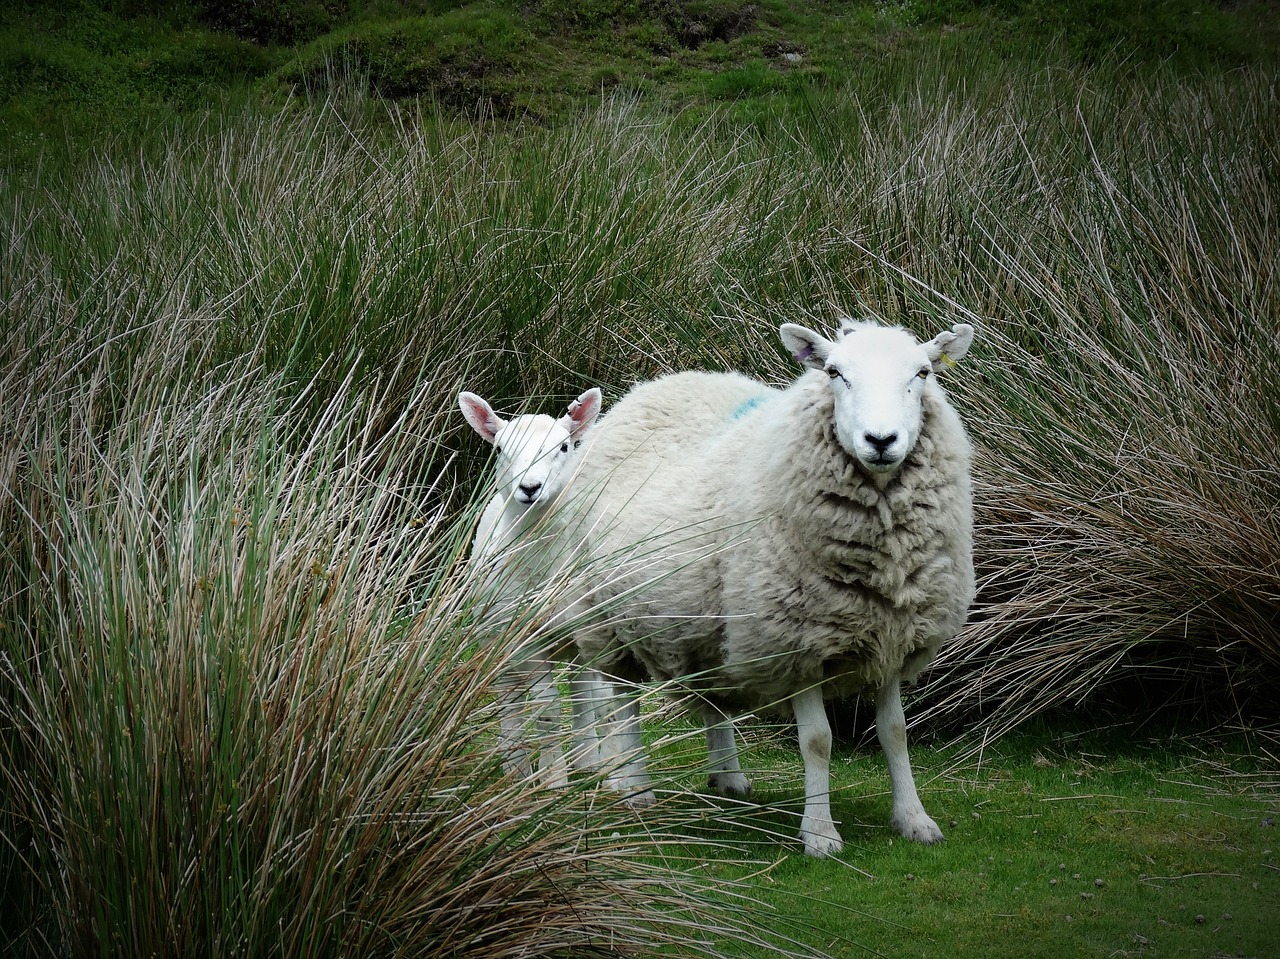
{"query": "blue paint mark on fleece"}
pixel 747 407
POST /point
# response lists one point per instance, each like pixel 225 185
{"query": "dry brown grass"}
pixel 247 707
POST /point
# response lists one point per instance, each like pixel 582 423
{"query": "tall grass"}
pixel 1125 407
pixel 247 709
pixel 245 705
pixel 1113 236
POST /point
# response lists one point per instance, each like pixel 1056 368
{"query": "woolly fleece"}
pixel 739 549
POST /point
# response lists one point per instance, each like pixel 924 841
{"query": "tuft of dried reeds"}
pixel 245 705
pixel 1128 422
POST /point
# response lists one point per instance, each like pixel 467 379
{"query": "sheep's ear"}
pixel 582 413
pixel 948 346
pixel 480 415
pixel 808 347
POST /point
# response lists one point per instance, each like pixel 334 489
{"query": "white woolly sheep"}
pixel 536 458
pixel 822 546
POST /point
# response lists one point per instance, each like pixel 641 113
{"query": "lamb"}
pixel 824 548
pixel 536 458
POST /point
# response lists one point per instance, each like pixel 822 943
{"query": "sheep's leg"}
pixel 726 776
pixel 590 694
pixel 909 817
pixel 512 735
pixel 548 716
pixel 629 774
pixel 817 828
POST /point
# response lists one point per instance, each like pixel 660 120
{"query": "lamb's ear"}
pixel 808 347
pixel 480 415
pixel 582 413
pixel 948 346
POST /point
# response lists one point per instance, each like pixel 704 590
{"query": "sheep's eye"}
pixel 832 372
pixel 577 443
pixel 924 373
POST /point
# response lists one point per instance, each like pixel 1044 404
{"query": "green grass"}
pixel 1060 841
pixel 415 251
pixel 78 69
pixel 89 66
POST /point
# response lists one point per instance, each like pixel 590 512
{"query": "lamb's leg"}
pixel 548 716
pixel 817 828
pixel 726 775
pixel 590 695
pixel 512 734
pixel 909 817
pixel 629 774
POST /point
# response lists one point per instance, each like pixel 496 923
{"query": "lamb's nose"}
pixel 530 490
pixel 881 443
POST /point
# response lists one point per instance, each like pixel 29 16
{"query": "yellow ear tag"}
pixel 947 361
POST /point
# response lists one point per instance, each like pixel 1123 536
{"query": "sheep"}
pixel 536 458
pixel 824 548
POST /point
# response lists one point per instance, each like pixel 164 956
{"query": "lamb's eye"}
pixel 924 373
pixel 577 443
pixel 833 372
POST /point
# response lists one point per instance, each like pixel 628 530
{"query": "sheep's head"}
pixel 535 451
pixel 879 377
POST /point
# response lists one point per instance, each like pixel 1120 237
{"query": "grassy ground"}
pixel 1119 842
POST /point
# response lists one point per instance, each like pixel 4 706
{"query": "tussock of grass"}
pixel 247 708
pixel 1128 435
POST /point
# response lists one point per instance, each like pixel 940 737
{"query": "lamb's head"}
pixel 536 452
pixel 879 377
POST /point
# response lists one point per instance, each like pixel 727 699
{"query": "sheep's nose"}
pixel 530 490
pixel 881 443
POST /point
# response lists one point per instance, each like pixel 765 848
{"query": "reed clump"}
pixel 246 704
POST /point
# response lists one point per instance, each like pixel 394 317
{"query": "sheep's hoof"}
pixel 820 839
pixel 554 775
pixel 639 800
pixel 732 784
pixel 634 792
pixel 918 828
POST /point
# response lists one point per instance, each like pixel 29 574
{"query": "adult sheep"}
pixel 824 548
pixel 537 455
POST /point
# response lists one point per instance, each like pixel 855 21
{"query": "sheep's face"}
pixel 879 376
pixel 535 452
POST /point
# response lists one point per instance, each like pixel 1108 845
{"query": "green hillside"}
pixel 81 63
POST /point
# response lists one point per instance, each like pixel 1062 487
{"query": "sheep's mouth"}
pixel 881 463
